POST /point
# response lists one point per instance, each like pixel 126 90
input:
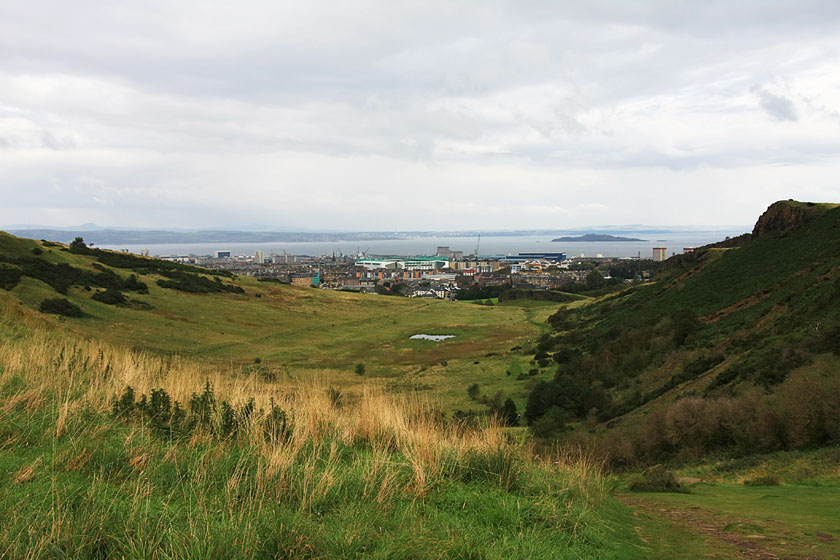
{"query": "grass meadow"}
pixel 369 473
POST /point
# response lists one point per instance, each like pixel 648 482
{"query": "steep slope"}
pixel 715 324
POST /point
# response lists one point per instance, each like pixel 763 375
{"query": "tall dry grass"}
pixel 367 447
pixel 88 374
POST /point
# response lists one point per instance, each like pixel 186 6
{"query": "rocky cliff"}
pixel 786 216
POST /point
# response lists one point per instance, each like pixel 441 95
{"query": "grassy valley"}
pixel 154 410
pixel 290 333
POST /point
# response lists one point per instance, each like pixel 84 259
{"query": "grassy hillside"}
pixel 724 347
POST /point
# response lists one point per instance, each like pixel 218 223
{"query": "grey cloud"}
pixel 779 107
pixel 159 93
pixel 49 141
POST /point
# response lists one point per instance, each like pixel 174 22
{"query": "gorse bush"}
pixel 195 283
pixel 9 277
pixel 61 306
pixel 166 417
pixel 61 276
pixel 110 297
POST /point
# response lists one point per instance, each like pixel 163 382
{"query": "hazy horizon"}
pixel 604 228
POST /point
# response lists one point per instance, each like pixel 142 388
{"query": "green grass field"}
pixel 372 475
pixel 736 521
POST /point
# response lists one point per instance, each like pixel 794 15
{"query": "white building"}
pixel 660 253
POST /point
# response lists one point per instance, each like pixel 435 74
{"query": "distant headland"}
pixel 596 237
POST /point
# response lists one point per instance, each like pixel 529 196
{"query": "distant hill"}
pixel 155 237
pixel 596 237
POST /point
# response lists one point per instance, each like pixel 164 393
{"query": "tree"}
pixel 78 246
pixel 562 393
pixel 508 415
pixel 595 280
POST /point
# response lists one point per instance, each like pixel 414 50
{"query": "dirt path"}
pixel 728 537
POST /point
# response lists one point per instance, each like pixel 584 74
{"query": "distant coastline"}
pixel 595 238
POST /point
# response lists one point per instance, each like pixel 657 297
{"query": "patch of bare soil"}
pixel 715 527
pixel 743 304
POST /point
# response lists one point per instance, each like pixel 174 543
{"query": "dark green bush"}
pixel 656 479
pixel 133 284
pixel 168 419
pixel 194 283
pixel 110 297
pixel 9 277
pixel 60 306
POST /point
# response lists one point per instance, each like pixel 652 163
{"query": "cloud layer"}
pixel 415 115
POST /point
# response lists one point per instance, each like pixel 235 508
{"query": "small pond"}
pixel 432 337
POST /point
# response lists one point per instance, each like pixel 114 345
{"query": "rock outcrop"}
pixel 785 217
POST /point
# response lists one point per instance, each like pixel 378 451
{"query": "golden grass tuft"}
pixel 27 472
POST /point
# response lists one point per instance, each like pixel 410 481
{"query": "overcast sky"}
pixel 415 115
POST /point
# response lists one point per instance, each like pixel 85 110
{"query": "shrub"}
pixel 168 419
pixel 360 369
pixel 473 391
pixel 194 283
pixel 9 277
pixel 685 323
pixel 37 251
pixel 133 284
pixel 763 480
pixel 656 479
pixel 110 297
pixel 60 306
pixel 551 424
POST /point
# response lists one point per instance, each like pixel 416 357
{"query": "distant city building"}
pixel 688 249
pixel 222 254
pixel 285 258
pixel 424 263
pixel 372 264
pixel 660 253
pixel 144 252
pixel 259 257
pixel 443 252
pixel 306 279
